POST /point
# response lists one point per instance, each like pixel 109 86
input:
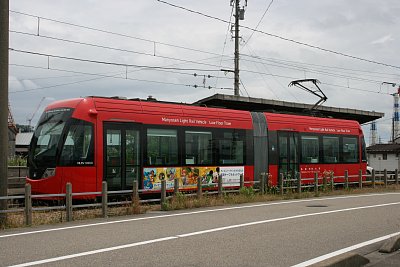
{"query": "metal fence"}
pixel 326 181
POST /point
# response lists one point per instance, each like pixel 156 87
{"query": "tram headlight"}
pixel 49 172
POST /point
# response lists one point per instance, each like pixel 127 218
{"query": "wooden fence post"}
pixel 373 178
pixel 281 184
pixel 316 183
pixel 135 190
pixel 176 186
pixel 299 183
pixel 241 181
pixel 385 180
pixel 346 179
pixel 360 180
pixel 324 181
pixel 220 185
pixel 262 183
pixel 68 201
pixel 104 199
pixel 396 176
pixel 199 188
pixel 28 205
pixel 332 181
pixel 163 197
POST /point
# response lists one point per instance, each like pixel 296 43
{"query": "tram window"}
pixel 331 149
pixel 363 150
pixel 78 146
pixel 350 150
pixel 162 147
pixel 310 149
pixel 198 148
pixel 231 148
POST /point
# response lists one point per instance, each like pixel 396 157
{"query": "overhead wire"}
pixel 226 38
pixel 285 38
pixel 258 24
pixel 187 61
pixel 117 49
pixel 102 76
pixel 113 33
pixel 148 54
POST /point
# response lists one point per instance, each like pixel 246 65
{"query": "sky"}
pixel 128 39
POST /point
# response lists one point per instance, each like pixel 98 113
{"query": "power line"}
pixel 251 56
pixel 162 68
pixel 116 49
pixel 110 63
pixel 297 66
pixel 148 54
pixel 284 38
pixel 113 33
pixel 258 24
pixel 226 38
pixel 319 65
pixel 102 76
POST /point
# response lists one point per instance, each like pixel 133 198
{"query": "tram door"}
pixel 289 163
pixel 122 157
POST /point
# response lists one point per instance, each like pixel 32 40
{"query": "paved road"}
pixel 281 233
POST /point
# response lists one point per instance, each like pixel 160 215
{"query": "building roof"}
pixel 268 105
pixel 23 139
pixel 384 148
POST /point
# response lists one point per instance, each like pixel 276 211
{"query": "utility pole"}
pixel 239 15
pixel 4 43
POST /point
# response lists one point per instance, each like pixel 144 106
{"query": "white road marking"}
pixel 344 250
pixel 87 253
pixel 192 213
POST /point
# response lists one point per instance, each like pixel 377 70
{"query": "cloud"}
pixel 361 28
pixel 382 40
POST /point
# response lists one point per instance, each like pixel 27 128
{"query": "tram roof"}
pixel 274 106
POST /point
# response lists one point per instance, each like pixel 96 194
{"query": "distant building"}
pixel 384 156
pixel 12 132
pixel 22 143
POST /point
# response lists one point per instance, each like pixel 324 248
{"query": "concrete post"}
pixel 104 199
pixel 281 183
pixel 262 183
pixel 373 178
pixel 176 186
pixel 360 179
pixel 385 180
pixel 346 179
pixel 299 183
pixel 241 181
pixel 4 45
pixel 199 188
pixel 68 201
pixel 163 197
pixel 28 205
pixel 220 185
pixel 316 182
pixel 332 181
pixel 396 176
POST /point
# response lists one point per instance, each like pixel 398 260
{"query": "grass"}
pixel 181 201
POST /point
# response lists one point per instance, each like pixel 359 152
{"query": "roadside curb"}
pixel 391 245
pixel 349 259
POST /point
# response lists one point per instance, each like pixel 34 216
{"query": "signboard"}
pixel 187 176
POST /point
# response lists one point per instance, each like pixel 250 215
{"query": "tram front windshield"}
pixel 45 141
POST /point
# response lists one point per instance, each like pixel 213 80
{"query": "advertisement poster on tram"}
pixel 187 177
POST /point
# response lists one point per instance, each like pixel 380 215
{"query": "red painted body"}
pixel 99 110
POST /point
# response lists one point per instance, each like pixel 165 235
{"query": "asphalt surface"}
pixel 281 233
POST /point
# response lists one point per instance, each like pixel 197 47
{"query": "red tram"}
pixel 89 140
